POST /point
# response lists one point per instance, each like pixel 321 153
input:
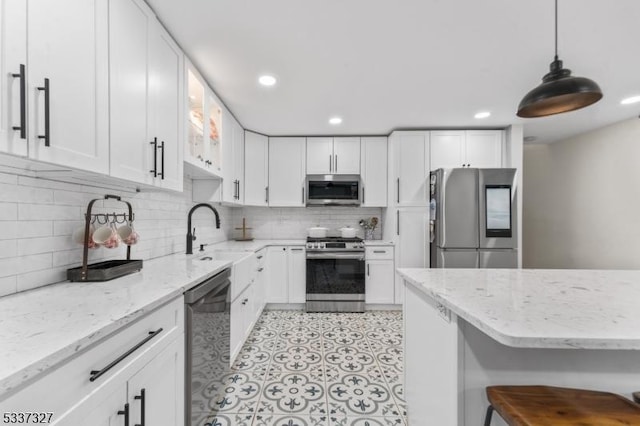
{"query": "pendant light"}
pixel 559 92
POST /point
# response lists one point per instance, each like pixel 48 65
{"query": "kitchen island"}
pixel 466 329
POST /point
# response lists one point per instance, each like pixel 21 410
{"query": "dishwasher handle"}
pixel 220 280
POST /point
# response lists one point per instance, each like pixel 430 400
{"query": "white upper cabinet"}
pixel 146 97
pixel 203 146
pixel 374 171
pixel 68 83
pixel 447 149
pixel 410 168
pixel 13 64
pixel 346 153
pixel 327 155
pixel 232 160
pixel 286 172
pixel 319 156
pixel 484 148
pixel 256 169
pixel 466 148
pixel 166 82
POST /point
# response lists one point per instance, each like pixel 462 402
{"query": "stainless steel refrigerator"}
pixel 473 218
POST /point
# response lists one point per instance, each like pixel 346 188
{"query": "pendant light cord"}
pixel 556 58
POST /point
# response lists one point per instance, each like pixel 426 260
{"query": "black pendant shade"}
pixel 559 92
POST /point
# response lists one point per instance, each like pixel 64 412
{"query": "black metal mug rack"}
pixel 108 270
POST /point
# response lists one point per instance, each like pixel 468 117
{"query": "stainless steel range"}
pixel 335 275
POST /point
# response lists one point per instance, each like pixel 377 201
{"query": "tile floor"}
pixel 312 369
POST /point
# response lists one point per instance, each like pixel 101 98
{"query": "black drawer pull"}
pixel 125 413
pixel 379 251
pixel 47 130
pixel 142 398
pixel 23 108
pixel 95 374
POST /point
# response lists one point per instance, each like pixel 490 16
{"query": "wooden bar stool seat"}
pixel 548 405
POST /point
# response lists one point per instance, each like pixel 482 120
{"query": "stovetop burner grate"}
pixel 334 239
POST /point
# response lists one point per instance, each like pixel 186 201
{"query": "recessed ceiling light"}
pixel 630 100
pixel 267 80
pixel 335 120
pixel 482 114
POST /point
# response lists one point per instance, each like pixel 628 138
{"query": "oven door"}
pixel 335 282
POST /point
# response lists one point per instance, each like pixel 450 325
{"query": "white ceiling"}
pixel 385 65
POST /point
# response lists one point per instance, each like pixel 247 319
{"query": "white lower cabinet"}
pixel 287 274
pixel 157 366
pixel 380 275
pixel 247 297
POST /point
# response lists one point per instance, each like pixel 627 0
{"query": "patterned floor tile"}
pixel 306 369
pixel 293 393
pixel 290 420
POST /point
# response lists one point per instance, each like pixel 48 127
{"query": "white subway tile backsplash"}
pixel 36 227
pixel 28 246
pixel 8 285
pixel 47 211
pixel 8 248
pixel 8 211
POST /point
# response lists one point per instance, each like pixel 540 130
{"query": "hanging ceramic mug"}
pixel 128 235
pixel 107 236
pixel 78 236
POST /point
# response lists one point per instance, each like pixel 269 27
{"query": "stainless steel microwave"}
pixel 333 190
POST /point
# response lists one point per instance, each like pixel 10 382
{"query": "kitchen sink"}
pixel 223 255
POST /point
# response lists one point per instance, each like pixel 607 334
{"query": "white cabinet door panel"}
pixel 411 250
pixel 411 150
pixel 297 275
pixel 374 171
pixel 256 175
pixel 277 284
pixel 484 148
pixel 346 153
pixel 447 149
pixel 379 282
pixel 238 161
pixel 132 155
pixel 319 156
pixel 71 50
pixel 13 40
pixel 286 172
pixel 166 65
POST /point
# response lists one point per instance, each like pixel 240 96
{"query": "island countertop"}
pixel 540 308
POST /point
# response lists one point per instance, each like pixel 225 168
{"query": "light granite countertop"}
pixel 540 308
pixel 41 328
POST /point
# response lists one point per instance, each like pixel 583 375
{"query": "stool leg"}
pixel 487 418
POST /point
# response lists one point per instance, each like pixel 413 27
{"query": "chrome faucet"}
pixel 191 236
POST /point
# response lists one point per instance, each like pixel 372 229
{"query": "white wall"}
pixel 582 200
pixel 38 216
pixel 292 223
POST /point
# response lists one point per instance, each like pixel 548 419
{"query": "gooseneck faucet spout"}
pixel 191 236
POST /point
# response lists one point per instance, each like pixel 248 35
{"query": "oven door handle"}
pixel 340 256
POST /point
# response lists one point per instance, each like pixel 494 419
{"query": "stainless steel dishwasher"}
pixel 207 309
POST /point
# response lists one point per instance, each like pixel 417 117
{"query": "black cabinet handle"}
pixel 23 103
pixel 397 222
pixel 296 249
pixel 161 160
pixel 303 195
pixel 336 167
pixel 142 398
pixel 96 374
pixel 47 133
pixel 368 270
pixel 238 189
pixel 155 157
pixel 330 163
pixel 379 251
pixel 266 199
pixel 398 188
pixel 363 195
pixel 125 413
